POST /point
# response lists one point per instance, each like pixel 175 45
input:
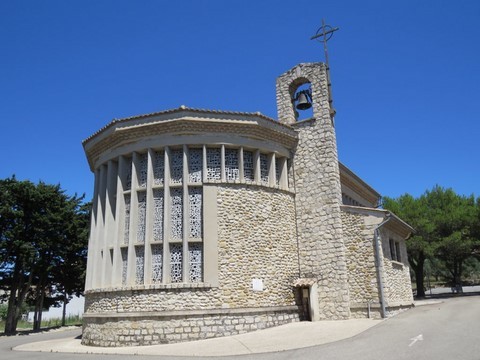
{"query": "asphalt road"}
pixel 446 331
pixel 449 330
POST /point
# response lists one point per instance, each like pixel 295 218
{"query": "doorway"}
pixel 306 296
pixel 305 303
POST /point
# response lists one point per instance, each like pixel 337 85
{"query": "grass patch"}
pixel 46 324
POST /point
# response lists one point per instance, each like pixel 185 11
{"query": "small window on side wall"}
pixel 395 253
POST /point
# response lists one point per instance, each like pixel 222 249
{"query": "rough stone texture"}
pixel 316 177
pixel 397 284
pixel 111 332
pixel 289 82
pixel 358 230
pixel 362 274
pixel 151 300
pixel 262 234
pixel 256 240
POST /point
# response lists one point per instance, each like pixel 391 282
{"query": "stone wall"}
pixel 397 283
pixel 156 329
pixel 358 228
pixel 256 241
pixel 362 274
pixel 315 173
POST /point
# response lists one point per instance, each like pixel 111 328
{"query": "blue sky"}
pixel 405 79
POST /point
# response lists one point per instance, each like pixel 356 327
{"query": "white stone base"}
pixel 136 329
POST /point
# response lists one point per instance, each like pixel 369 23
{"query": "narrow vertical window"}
pixel 126 228
pixel 397 251
pixel 392 249
pixel 158 167
pixel 176 166
pixel 248 168
pixel 231 165
pixel 141 216
pixel 278 170
pixel 157 263
pixel 195 209
pixel 128 175
pixel 142 171
pixel 195 255
pixel 195 165
pixel 264 168
pixel 176 213
pixel 176 259
pixel 139 264
pixel 158 215
pixel 214 164
pixel 124 253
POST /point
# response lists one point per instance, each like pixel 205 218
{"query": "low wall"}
pixel 136 329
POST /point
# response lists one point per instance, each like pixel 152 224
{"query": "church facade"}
pixel 212 223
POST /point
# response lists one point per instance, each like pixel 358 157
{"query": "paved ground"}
pixel 445 292
pixel 281 338
pixel 285 339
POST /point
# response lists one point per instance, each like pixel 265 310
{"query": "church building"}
pixel 210 223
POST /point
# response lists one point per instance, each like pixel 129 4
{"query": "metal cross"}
pixel 324 33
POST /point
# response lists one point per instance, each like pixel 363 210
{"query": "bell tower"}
pixel 288 97
pixel 316 176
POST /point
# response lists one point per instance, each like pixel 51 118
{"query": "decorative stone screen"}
pixel 176 166
pixel 248 169
pixel 126 219
pixel 128 176
pixel 176 213
pixel 124 259
pixel 158 167
pixel 158 200
pixel 195 165
pixel 141 216
pixel 231 165
pixel 195 212
pixel 264 168
pixel 195 255
pixel 159 234
pixel 157 263
pixel 278 168
pixel 176 259
pixel 214 159
pixel 139 264
pixel 142 176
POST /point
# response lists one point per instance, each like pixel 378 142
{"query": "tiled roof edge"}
pixel 184 108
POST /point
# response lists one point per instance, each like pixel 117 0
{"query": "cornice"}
pixel 395 224
pixel 135 129
pixel 182 112
pixel 351 180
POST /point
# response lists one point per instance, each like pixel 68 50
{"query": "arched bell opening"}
pixel 302 101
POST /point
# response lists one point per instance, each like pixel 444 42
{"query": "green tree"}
pixel 420 246
pixel 18 209
pixel 69 274
pixel 446 227
pixel 3 311
pixel 455 219
pixel 38 226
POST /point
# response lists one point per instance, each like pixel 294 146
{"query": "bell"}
pixel 303 103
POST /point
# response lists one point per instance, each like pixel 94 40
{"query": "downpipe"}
pixel 379 264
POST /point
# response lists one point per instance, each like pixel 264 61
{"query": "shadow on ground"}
pixel 446 293
pixel 24 332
